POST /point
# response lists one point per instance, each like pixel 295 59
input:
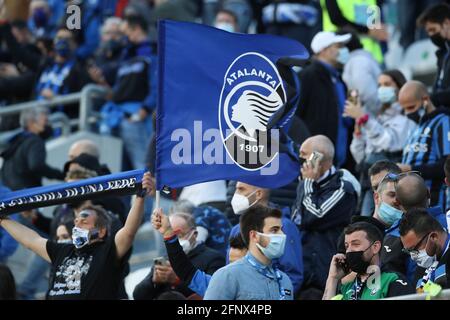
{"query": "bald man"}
pixel 326 199
pixel 291 262
pixel 428 145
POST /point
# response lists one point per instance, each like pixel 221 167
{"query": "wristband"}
pixel 362 120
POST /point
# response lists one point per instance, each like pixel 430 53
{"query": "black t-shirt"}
pixel 92 272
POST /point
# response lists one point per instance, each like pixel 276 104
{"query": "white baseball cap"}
pixel 324 39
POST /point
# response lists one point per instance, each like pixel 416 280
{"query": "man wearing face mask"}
pixel 363 244
pixel 162 278
pixel 428 146
pixel 427 243
pixel 379 136
pixel 323 93
pixel 291 262
pixel 255 277
pixel 436 21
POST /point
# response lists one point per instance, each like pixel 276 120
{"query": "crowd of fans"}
pixel 374 148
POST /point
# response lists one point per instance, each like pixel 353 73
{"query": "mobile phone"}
pixel 315 158
pixel 353 96
pixel 160 261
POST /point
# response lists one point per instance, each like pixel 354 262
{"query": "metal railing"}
pixel 443 295
pixel 85 99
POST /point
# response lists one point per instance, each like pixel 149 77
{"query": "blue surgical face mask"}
pixel 275 248
pixel 387 95
pixel 389 214
pixel 343 55
pixel 225 26
pixel 82 237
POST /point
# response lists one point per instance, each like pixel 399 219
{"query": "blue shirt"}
pixel 291 262
pixel 242 281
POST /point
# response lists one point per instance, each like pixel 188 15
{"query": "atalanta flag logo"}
pixel 252 93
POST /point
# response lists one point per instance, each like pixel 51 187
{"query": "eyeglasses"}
pixel 414 250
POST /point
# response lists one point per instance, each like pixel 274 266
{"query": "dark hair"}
pixel 66 221
pixel 237 242
pixel 435 14
pixel 102 220
pixel 384 165
pixel 419 221
pixel 20 24
pixel 7 284
pixel 171 295
pixel 372 232
pixel 136 20
pixel 397 76
pixel 253 219
pixel 447 168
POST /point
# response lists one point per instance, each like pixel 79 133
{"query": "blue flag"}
pixel 124 183
pixel 225 103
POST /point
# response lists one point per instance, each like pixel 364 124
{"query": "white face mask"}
pixel 186 243
pixel 225 26
pixel 240 203
pixel 423 259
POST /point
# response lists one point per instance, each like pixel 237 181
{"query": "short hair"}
pixel 435 14
pixel 31 115
pixel 372 232
pixel 237 242
pixel 253 219
pixel 384 165
pixel 7 284
pixel 447 168
pixel 189 218
pixel 102 220
pixel 182 206
pixel 397 76
pixel 420 222
pixel 136 20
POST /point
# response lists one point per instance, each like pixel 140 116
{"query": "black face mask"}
pixel 417 115
pixel 47 133
pixel 438 40
pixel 356 262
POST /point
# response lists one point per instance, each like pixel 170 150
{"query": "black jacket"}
pixel 318 104
pixel 202 257
pixel 441 90
pixel 24 162
pixel 321 216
